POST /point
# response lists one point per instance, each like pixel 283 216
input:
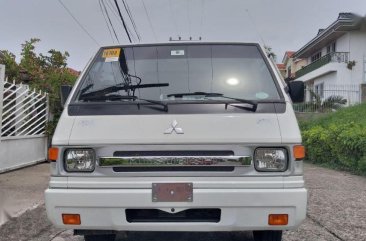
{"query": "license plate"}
pixel 172 192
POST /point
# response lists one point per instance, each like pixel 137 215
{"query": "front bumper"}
pixel 241 209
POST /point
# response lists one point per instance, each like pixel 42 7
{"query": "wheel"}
pixel 102 237
pixel 267 235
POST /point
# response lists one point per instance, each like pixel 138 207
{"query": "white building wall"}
pixel 358 54
pixel 343 43
pixel 350 92
pixel 327 80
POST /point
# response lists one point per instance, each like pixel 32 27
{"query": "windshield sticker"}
pixel 177 52
pixel 111 55
pixel 261 95
pixel 111 59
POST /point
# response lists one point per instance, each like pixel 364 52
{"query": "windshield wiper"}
pixel 208 94
pixel 156 102
pixel 115 88
pixel 125 97
pixel 106 97
pixel 253 104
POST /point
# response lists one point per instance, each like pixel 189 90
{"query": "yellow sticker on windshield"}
pixel 111 53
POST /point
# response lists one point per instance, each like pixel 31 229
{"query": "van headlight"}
pixel 79 160
pixel 270 159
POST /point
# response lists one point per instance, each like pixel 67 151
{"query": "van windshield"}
pixel 171 73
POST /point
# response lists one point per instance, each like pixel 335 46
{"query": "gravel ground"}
pixel 336 211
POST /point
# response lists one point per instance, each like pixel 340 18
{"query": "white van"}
pixel 178 136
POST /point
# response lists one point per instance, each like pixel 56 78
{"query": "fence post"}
pixel 2 79
pixel 363 93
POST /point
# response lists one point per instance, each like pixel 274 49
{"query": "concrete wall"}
pixel 16 152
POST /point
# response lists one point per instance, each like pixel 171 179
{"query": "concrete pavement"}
pixel 22 189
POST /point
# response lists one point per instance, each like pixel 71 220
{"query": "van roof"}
pixel 180 43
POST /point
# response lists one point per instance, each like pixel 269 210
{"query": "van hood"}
pixel 197 129
pixel 178 129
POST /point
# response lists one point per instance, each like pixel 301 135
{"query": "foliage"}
pixel 270 52
pixel 46 72
pixel 351 64
pixel 12 68
pixel 338 139
pixel 316 104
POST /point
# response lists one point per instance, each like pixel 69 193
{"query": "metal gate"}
pixel 23 121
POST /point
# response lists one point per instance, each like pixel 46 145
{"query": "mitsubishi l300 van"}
pixel 180 136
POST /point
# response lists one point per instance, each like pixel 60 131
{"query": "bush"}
pixel 336 141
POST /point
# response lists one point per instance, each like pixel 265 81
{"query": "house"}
pixel 282 69
pixel 336 58
pixel 73 72
pixel 292 65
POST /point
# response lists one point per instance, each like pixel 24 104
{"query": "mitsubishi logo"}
pixel 174 127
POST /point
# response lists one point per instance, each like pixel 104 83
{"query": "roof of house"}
pixel 281 66
pixel 344 23
pixel 288 54
pixel 73 71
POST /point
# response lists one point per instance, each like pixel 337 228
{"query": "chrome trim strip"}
pixel 148 161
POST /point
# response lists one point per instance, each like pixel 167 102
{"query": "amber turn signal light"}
pixel 71 219
pixel 278 219
pixel 52 153
pixel 299 152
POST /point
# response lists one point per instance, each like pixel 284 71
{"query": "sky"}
pixel 281 24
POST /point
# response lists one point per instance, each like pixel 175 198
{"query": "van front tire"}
pixel 102 237
pixel 267 235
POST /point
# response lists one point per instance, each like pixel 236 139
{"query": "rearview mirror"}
pixel 296 91
pixel 65 92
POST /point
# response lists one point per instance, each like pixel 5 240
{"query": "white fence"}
pixel 323 98
pixel 23 120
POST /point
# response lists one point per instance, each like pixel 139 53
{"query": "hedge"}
pixel 338 142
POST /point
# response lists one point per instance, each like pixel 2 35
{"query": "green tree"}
pixel 12 68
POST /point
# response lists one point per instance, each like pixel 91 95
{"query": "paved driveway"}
pixel 336 211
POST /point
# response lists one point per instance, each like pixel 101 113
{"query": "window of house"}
pixel 289 72
pixel 319 90
pixel 331 48
pixel 316 56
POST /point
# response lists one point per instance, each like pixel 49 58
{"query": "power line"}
pixel 109 19
pixel 172 15
pixel 202 16
pixel 189 18
pixel 148 18
pixel 110 6
pixel 80 25
pixel 128 11
pixel 105 19
pixel 255 26
pixel 123 21
pixel 115 13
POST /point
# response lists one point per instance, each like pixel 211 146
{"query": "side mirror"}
pixel 65 92
pixel 296 91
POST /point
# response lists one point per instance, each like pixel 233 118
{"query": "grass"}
pixel 355 114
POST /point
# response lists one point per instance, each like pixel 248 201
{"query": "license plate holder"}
pixel 172 192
